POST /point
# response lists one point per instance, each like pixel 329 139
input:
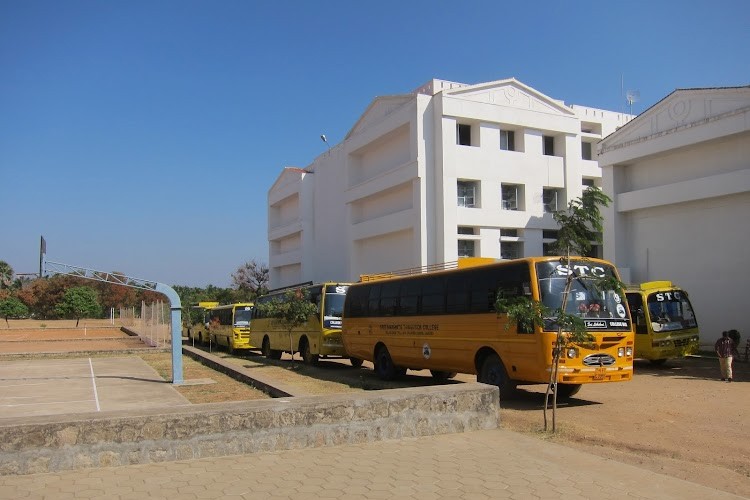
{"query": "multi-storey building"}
pixel 447 171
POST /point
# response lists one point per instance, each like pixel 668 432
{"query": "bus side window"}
pixel 356 301
pixel 409 297
pixel 433 295
pixel 373 307
pixel 389 299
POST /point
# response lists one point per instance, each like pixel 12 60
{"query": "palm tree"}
pixel 6 275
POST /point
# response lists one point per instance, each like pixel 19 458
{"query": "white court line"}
pixel 93 381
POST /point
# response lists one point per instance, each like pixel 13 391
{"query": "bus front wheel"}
pixel 442 376
pixel 307 355
pixel 384 367
pixel 265 348
pixel 493 373
pixel 566 391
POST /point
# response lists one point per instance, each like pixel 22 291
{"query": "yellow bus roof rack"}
pixel 205 305
pixel 430 268
pixel 651 285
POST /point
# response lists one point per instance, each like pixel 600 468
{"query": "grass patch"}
pixel 225 389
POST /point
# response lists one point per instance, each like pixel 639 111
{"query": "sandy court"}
pixel 32 387
pixel 70 339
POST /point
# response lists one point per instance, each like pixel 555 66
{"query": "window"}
pixel 549 242
pixel 433 295
pixel 512 233
pixel 373 306
pixel 508 140
pixel 509 196
pixel 587 182
pixel 465 230
pixel 586 150
pixel 549 145
pixel 550 200
pixel 409 295
pixel 463 134
pixel 511 249
pixel 467 192
pixel 466 248
pixel 456 294
pixel 595 252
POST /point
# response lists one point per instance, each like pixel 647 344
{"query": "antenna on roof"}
pixel 632 96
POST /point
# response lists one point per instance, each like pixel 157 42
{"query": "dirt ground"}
pixel 678 419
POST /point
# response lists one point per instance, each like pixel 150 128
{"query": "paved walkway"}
pixel 477 465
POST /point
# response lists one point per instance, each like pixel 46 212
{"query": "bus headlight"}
pixel 620 352
pixel 572 353
pixel 629 351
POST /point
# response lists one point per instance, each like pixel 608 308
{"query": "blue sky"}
pixel 143 136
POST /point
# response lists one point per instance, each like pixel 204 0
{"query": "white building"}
pixel 679 176
pixel 447 171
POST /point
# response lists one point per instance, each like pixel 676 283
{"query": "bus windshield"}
pixel 670 311
pixel 600 306
pixel 334 305
pixel 242 316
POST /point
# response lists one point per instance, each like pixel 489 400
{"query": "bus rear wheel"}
pixel 442 375
pixel 307 355
pixel 493 373
pixel 384 367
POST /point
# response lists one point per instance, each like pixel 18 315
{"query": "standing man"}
pixel 725 349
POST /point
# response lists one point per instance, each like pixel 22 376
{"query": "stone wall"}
pixel 55 443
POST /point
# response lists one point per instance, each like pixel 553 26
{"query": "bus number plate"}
pixel 600 373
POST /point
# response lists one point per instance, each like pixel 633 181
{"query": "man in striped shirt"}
pixel 725 350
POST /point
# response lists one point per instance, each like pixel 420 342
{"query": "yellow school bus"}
pixel 196 322
pixel 229 326
pixel 665 324
pixel 445 321
pixel 319 338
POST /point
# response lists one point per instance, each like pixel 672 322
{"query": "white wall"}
pixel 679 176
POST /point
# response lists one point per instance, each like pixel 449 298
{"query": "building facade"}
pixel 679 177
pixel 448 171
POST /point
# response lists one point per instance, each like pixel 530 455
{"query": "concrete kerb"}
pixel 67 442
pixel 265 384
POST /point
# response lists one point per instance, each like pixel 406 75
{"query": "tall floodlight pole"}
pixel 175 306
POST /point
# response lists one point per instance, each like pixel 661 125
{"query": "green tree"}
pixel 79 302
pixel 580 225
pixel 292 311
pixel 12 307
